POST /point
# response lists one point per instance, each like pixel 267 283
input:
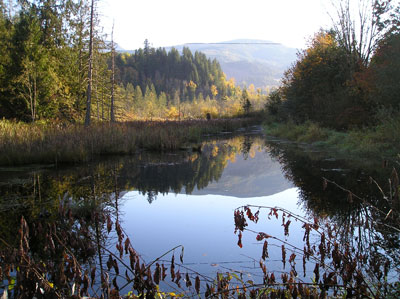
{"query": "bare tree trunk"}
pixel 31 96
pixel 34 100
pixel 96 90
pixel 98 112
pixel 102 103
pixel 112 113
pixel 90 72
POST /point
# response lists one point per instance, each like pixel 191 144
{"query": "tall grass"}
pixel 22 143
pixel 382 139
pixel 308 132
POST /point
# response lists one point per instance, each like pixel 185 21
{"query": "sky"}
pixel 176 22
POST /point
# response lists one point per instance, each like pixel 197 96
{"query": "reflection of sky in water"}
pixel 203 222
pixel 204 225
pixel 255 176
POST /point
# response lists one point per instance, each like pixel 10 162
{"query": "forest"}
pixel 344 87
pixel 56 64
pixel 87 134
pixel 347 78
pixel 157 84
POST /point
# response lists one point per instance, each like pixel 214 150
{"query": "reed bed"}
pixel 22 143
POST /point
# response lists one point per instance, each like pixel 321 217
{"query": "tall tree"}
pixel 112 113
pixel 317 87
pixel 6 29
pixel 34 70
pixel 90 71
pixel 246 105
pixel 383 74
pixel 359 29
pixel 76 70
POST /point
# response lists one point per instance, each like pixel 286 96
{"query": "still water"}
pixel 188 198
pixel 200 216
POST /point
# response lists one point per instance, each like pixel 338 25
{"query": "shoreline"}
pixel 24 144
pixel 361 143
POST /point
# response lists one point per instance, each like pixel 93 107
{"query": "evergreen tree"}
pixel 246 105
pixel 35 79
pixel 6 32
pixel 171 72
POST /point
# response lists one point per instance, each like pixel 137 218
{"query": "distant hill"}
pixel 249 61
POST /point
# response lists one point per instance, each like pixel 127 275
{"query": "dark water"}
pixel 189 198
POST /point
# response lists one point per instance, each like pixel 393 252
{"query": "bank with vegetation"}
pixel 382 140
pixel 341 93
pixel 343 90
pixel 58 71
pixel 22 143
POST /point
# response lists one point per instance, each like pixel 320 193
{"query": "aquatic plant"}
pixel 348 259
pixel 86 251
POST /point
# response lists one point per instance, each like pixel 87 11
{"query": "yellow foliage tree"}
pixel 214 90
pixel 172 113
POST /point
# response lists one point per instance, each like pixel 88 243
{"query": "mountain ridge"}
pixel 249 61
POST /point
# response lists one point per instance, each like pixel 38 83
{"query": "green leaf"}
pixel 12 284
pixel 237 277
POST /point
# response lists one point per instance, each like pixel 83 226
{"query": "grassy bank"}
pixel 381 140
pixel 22 143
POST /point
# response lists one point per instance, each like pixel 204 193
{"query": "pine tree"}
pixel 246 105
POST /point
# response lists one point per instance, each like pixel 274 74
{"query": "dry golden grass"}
pixel 22 143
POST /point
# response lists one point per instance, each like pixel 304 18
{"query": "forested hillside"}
pixel 184 76
pixel 56 64
pixel 161 84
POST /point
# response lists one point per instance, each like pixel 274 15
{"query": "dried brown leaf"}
pixel 240 240
pixel 261 236
pixel 188 281
pixel 181 255
pixel 265 250
pixel 197 285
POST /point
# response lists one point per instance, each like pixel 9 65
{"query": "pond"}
pixel 186 200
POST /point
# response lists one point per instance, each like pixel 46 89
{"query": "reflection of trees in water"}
pixel 61 234
pixel 307 171
pixel 185 172
pixel 246 146
pixel 73 205
pixel 87 195
pixel 348 198
pixel 64 252
pixel 38 194
pixel 151 196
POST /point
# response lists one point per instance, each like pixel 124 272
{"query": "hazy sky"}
pixel 174 22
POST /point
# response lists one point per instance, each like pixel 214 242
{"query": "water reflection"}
pixel 307 168
pixel 210 182
pixel 357 197
pixel 67 209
